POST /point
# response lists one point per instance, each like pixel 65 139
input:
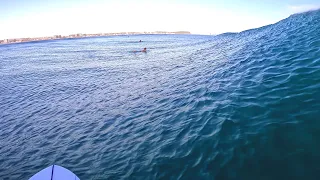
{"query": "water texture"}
pixel 234 106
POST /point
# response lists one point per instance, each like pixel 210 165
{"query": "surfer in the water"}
pixel 144 50
pixel 140 41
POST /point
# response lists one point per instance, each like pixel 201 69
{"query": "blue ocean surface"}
pixel 238 106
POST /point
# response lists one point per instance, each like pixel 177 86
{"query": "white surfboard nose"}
pixel 54 172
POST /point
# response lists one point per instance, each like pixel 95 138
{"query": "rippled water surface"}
pixel 234 106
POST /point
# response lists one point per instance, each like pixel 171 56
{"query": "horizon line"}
pixel 108 33
pixel 84 35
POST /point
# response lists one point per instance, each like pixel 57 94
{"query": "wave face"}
pixel 234 106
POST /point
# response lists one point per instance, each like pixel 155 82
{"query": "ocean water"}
pixel 234 106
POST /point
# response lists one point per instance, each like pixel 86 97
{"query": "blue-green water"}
pixel 234 106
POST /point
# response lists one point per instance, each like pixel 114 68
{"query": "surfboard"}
pixel 54 172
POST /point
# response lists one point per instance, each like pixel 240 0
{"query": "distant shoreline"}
pixel 73 36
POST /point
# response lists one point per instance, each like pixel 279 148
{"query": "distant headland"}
pixel 55 37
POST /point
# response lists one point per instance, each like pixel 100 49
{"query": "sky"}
pixel 37 18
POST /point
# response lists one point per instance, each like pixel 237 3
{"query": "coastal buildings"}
pixel 19 40
pixel 57 36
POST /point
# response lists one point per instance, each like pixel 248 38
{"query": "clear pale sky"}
pixel 35 18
